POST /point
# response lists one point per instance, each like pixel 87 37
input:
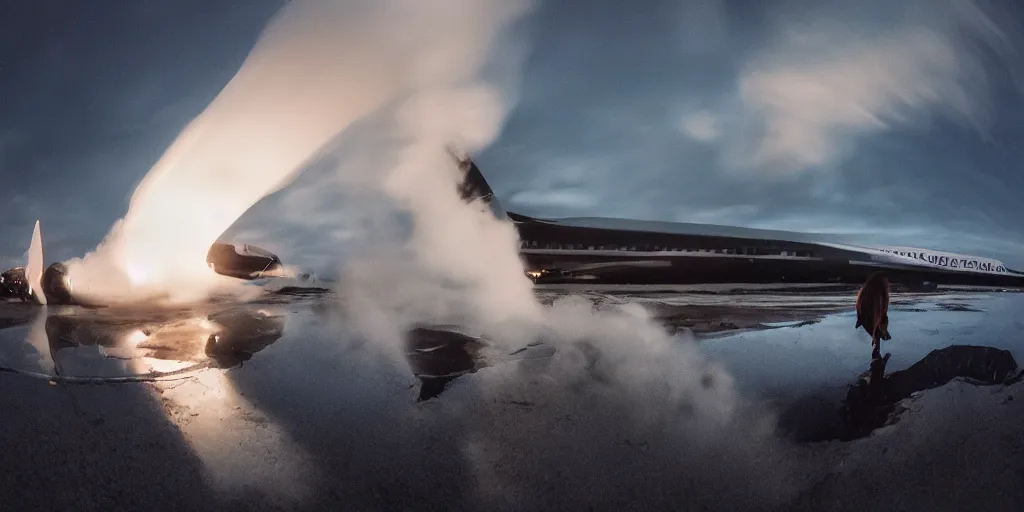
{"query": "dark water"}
pixel 279 405
pixel 806 371
pixel 795 350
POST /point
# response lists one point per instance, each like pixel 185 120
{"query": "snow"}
pixel 958 447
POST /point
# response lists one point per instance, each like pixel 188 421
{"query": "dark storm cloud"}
pixel 91 93
pixel 894 122
pixel 889 121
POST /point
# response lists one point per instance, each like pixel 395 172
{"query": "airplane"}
pixel 243 261
pixel 624 251
pixel 618 251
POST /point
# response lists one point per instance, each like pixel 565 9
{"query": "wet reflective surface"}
pixel 76 344
pixel 873 401
pixel 438 356
pixel 108 345
pixel 806 372
pixel 279 405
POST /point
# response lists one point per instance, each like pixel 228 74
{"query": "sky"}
pixel 892 122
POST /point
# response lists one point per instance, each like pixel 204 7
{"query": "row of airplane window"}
pixel 748 251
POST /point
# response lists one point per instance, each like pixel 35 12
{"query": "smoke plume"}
pixel 408 79
pixel 320 66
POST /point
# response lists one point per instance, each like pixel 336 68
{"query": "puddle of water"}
pixel 797 363
pixel 76 344
pixel 806 371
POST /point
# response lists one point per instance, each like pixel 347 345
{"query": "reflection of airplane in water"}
pixel 621 251
pixel 96 343
pixel 437 357
pixel 225 338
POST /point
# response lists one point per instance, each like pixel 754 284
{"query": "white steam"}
pixel 426 68
pixel 319 66
pixel 617 399
pixel 460 265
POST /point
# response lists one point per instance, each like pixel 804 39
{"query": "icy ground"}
pixel 316 419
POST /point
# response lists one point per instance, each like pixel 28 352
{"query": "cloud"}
pixel 824 80
pixel 619 121
pixel 702 126
pixel 8 138
pixel 705 26
pixel 719 215
pixel 813 116
pixel 838 225
pixel 564 197
pixel 808 107
pixel 562 184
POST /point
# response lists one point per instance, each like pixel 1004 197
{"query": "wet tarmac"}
pixel 276 405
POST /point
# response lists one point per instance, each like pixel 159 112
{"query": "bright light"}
pixel 297 89
pixel 137 274
pixel 136 337
pixel 154 365
pixel 319 67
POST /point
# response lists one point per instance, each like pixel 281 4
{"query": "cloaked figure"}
pixel 873 311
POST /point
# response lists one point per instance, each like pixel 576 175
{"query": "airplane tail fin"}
pixel 473 185
pixel 34 266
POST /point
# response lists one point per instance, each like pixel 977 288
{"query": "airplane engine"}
pixel 56 284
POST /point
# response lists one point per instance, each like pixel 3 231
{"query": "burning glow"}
pixel 135 337
pixel 318 67
pixel 155 365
